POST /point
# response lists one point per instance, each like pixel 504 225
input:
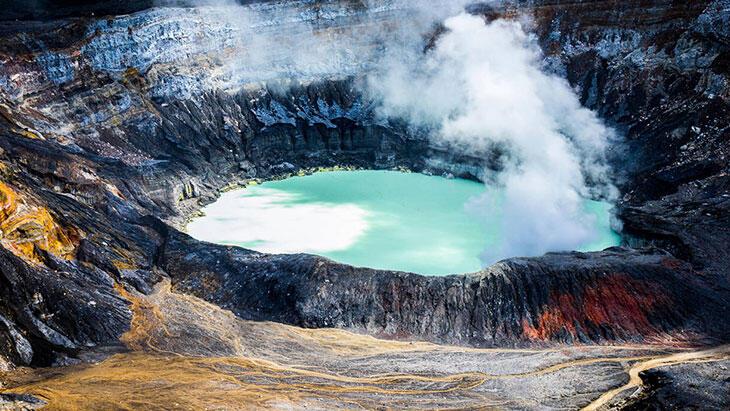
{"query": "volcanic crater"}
pixel 118 127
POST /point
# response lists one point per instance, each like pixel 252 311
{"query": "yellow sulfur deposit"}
pixel 24 227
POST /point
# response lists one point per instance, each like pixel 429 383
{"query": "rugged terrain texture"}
pixel 115 129
pixel 189 354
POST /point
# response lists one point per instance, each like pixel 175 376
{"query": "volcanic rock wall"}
pixel 113 125
pixel 616 295
pixel 658 71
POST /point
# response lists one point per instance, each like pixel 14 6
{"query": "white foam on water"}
pixel 272 221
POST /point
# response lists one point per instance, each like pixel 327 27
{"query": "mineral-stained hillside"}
pixel 116 128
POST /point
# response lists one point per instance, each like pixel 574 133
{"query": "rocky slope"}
pixel 188 354
pixel 658 71
pixel 115 129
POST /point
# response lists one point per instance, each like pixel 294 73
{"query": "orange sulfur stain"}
pixel 24 227
pixel 614 299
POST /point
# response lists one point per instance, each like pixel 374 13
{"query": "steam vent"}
pixel 364 204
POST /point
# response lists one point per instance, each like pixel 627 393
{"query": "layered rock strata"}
pixel 115 129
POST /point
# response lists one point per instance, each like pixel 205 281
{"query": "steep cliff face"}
pixel 659 72
pixel 617 295
pixel 113 125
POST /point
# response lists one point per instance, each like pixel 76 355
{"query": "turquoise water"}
pixel 379 219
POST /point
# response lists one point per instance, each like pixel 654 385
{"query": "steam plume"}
pixel 481 88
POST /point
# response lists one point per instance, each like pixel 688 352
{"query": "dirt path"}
pixel 713 354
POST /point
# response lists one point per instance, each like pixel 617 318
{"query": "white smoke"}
pixel 302 40
pixel 480 87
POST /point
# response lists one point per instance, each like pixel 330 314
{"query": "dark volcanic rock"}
pixel 685 387
pixel 616 295
pixel 657 70
pixel 20 402
pixel 107 130
pixel 64 308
